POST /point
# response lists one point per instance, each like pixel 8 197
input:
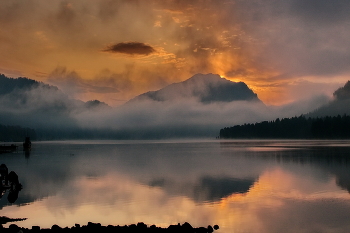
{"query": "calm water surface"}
pixel 241 185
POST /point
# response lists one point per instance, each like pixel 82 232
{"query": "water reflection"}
pixel 26 153
pixel 207 189
pixel 278 186
pixel 9 183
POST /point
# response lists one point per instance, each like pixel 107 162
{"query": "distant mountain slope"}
pixel 331 121
pixel 96 105
pixel 25 93
pixel 339 106
pixel 343 93
pixel 15 133
pixel 45 108
pixel 206 88
pixel 336 127
pixel 10 84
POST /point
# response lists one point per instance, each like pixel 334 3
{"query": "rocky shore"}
pixel 97 227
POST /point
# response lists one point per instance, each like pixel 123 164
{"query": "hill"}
pixel 28 103
pixel 336 127
pixel 330 121
pixel 8 85
pixel 196 107
pixel 340 105
pixel 15 133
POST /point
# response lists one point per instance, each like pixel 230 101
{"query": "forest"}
pixel 15 133
pixel 336 127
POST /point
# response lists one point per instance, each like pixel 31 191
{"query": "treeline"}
pixel 10 84
pixel 337 127
pixel 15 133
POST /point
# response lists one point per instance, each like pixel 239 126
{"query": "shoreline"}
pixel 97 227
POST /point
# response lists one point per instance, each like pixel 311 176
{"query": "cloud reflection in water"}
pixel 166 182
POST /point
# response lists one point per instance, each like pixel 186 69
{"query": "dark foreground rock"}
pixel 4 220
pixel 97 227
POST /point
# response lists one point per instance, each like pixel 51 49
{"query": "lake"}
pixel 241 185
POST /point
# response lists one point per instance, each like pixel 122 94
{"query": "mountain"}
pixel 343 93
pixel 28 94
pixel 196 107
pixel 96 105
pixel 45 108
pixel 206 88
pixel 9 84
pixel 340 105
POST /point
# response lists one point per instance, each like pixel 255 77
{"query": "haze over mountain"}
pixel 197 107
pixel 206 88
pixel 338 106
pixel 33 104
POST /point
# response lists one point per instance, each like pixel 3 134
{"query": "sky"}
pixel 114 50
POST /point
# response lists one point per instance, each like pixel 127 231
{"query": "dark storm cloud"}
pixel 322 11
pixel 297 37
pixel 131 48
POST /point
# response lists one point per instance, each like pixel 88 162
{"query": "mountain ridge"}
pixel 196 107
pixel 206 88
pixel 17 90
pixel 340 105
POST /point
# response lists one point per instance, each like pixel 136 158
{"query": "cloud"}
pixel 131 48
pixel 118 182
pixel 184 116
pixel 298 37
pixel 250 41
pixel 321 11
pixel 111 87
pixel 105 82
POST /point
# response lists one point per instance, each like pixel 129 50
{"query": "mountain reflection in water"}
pixel 206 189
pixel 241 185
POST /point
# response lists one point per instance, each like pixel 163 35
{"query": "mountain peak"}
pixel 338 106
pixel 206 88
pixel 205 77
pixel 96 105
pixel 343 92
pixel 208 78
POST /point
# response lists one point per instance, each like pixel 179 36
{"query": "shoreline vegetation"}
pixel 4 220
pixel 97 227
pixel 329 127
pixel 302 127
pixel 15 133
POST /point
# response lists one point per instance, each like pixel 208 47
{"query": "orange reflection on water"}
pixel 273 192
pixel 117 199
